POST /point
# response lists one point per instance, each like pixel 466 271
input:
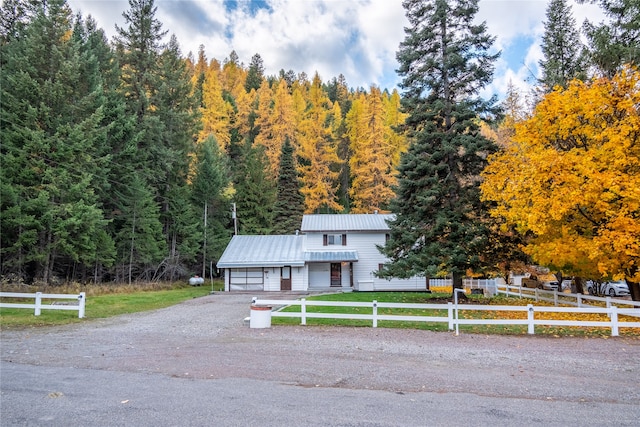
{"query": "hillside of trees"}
pixel 117 153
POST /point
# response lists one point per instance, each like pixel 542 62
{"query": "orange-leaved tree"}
pixel 317 152
pixel 571 177
pixel 371 160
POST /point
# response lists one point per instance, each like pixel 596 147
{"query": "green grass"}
pixel 100 306
pixel 391 297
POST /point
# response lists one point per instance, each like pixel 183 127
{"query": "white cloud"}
pixel 356 38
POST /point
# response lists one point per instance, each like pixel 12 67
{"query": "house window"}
pixel 334 239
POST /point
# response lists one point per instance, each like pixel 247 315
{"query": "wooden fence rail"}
pixel 450 313
pixel 78 302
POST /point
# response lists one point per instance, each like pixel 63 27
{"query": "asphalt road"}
pixel 197 364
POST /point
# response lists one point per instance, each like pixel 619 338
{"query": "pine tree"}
pixel 52 130
pixel 254 191
pixel 561 47
pixel 139 46
pixel 255 74
pixel 139 240
pixel 617 42
pixel 177 110
pixel 208 195
pixel 289 206
pixel 439 226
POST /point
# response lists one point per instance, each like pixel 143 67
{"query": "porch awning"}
pixel 331 256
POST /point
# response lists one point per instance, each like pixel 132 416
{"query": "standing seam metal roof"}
pixel 345 222
pixel 262 251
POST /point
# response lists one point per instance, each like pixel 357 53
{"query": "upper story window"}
pixel 334 239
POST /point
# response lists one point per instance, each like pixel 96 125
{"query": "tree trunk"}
pixel 634 289
pixel 579 287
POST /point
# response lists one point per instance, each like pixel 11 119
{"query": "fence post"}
pixel 81 299
pixel 609 306
pixel 555 297
pixel 375 313
pixel 579 298
pixel 530 330
pixel 38 303
pixel 303 311
pixel 450 315
pixel 614 321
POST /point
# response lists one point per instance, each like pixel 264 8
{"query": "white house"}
pixel 332 252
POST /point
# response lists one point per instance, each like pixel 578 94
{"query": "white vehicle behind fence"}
pixel 615 288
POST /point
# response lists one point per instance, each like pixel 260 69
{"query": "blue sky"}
pixel 356 38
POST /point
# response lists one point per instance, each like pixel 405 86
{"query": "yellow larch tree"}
pixel 264 123
pixel 233 75
pixel 283 116
pixel 394 119
pixel 370 164
pixel 571 177
pixel 215 110
pixel 316 149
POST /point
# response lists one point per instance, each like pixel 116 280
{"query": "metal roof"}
pixel 345 222
pixel 263 251
pixel 330 256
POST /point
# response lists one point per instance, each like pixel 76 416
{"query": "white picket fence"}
pixel 452 311
pixel 565 298
pixel 77 303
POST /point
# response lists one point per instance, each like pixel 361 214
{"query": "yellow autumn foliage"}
pixel 571 176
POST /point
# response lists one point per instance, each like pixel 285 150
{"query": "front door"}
pixel 285 279
pixel 336 274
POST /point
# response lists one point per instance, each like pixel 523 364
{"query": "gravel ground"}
pixel 206 338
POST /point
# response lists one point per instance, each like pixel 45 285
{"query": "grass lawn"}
pixel 100 306
pixel 443 298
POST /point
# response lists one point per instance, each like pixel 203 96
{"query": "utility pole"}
pixel 235 219
pixel 204 244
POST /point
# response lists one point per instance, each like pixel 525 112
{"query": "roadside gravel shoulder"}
pixel 207 338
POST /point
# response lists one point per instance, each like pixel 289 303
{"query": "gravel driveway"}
pixel 206 339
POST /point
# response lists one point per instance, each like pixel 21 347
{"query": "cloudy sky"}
pixel 356 38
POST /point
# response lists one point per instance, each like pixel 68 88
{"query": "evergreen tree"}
pixel 52 128
pixel 255 191
pixel 255 74
pixel 616 43
pixel 139 241
pixel 561 47
pixel 178 112
pixel 289 206
pixel 139 46
pixel 208 196
pixel 440 225
pixel 199 73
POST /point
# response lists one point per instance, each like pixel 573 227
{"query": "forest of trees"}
pixel 115 154
pixel 122 159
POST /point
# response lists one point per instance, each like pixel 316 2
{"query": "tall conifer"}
pixel 444 60
pixel 561 47
pixel 289 206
